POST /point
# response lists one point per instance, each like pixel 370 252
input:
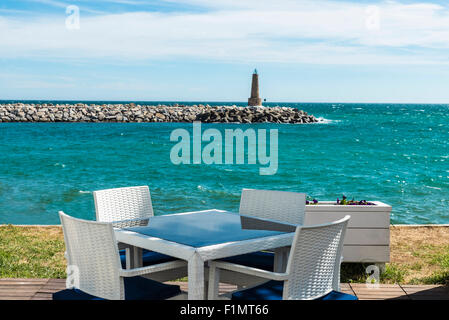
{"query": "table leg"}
pixel 278 259
pixel 196 278
pixel 135 257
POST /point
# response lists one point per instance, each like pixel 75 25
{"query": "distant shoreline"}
pixel 132 112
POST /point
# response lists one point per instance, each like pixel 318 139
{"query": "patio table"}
pixel 206 235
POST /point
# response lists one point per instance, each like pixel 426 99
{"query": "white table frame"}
pixel 196 257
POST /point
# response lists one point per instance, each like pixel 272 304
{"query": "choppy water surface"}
pixel 398 154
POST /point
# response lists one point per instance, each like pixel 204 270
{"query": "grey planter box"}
pixel 368 236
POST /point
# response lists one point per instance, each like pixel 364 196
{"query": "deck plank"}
pixel 42 289
pixel 346 288
pixel 20 289
pixel 427 292
pixel 382 292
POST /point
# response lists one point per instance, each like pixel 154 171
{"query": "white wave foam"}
pixel 83 192
pixel 326 121
pixel 62 165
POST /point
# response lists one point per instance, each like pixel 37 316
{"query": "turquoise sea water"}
pixel 398 154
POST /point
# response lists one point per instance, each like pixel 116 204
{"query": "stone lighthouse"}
pixel 255 100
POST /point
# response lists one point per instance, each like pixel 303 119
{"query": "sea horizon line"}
pixel 206 102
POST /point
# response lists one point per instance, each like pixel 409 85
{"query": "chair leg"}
pixel 128 255
pixel 206 289
pixel 214 280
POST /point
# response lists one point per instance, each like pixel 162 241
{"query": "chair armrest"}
pixel 249 270
pixel 153 268
pixel 119 224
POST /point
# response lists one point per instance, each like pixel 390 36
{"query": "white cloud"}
pixel 53 3
pixel 319 31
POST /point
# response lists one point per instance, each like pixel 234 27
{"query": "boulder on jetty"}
pixel 79 112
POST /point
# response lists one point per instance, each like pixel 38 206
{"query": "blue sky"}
pixel 206 50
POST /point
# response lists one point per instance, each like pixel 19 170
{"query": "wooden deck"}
pixel 42 289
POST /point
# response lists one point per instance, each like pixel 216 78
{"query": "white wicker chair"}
pixel 312 269
pixel 93 254
pixel 125 207
pixel 129 207
pixel 285 207
pixel 282 206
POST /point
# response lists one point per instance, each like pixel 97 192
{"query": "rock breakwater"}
pixel 79 112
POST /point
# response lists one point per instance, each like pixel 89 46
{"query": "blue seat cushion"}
pixel 261 260
pixel 335 295
pixel 272 290
pixel 149 258
pixel 136 288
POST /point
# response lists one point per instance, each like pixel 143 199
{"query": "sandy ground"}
pixel 422 250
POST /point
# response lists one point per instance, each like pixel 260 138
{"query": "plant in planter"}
pixel 343 202
pixel 310 200
pixel 352 202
